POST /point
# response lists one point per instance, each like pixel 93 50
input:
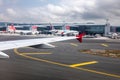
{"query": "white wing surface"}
pixel 5 45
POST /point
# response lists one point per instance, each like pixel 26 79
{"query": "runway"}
pixel 64 62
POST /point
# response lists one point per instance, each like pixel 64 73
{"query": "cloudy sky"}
pixel 37 11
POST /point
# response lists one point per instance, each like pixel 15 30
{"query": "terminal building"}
pixel 103 29
pixel 88 28
pixel 92 29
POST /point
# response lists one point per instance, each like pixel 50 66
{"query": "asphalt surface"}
pixel 64 62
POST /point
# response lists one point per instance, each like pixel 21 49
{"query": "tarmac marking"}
pixel 65 65
pixel 83 64
pixel 73 44
pixel 38 59
pixel 37 53
pixel 105 45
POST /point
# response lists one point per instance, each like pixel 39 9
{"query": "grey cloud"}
pixel 103 9
pixel 111 7
pixel 69 10
pixel 91 15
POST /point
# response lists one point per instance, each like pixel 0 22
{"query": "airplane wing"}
pixel 37 43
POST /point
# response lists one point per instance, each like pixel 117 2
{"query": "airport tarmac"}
pixel 64 62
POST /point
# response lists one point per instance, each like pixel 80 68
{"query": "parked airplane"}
pixel 64 32
pixel 23 30
pixel 36 43
pixel 11 29
pixel 53 30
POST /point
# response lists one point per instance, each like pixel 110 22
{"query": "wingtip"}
pixel 3 55
pixel 80 36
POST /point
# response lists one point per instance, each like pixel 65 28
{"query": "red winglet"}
pixel 79 37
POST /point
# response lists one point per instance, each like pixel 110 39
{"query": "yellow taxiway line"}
pixel 65 65
pixel 105 45
pixel 73 44
pixel 36 53
pixel 38 59
pixel 83 64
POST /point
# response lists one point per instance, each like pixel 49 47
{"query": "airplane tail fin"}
pixel 66 27
pixel 51 27
pixel 80 36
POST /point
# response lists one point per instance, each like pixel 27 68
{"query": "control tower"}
pixel 107 27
